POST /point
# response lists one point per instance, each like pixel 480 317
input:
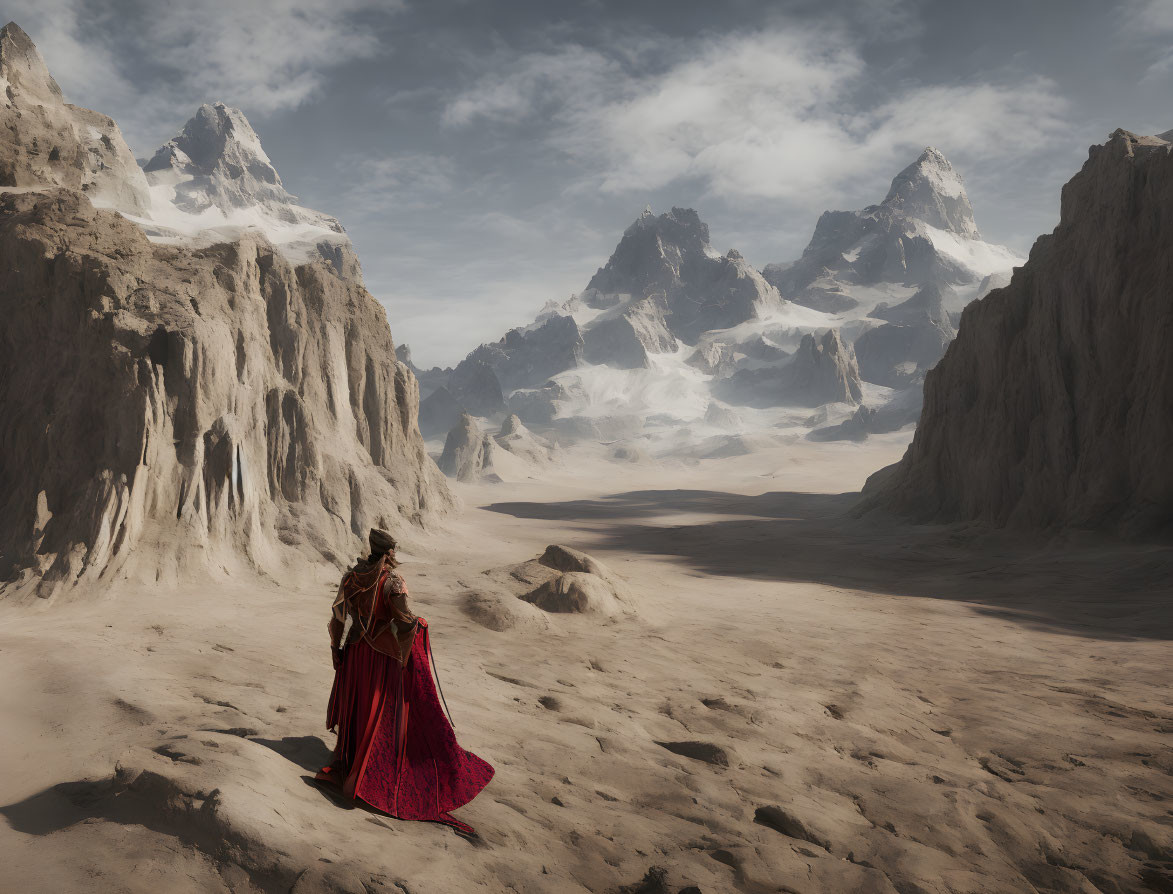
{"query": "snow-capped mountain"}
pixel 922 234
pixel 664 282
pixel 214 180
pixel 682 348
pixel 627 357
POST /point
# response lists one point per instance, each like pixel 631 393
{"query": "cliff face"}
pixel 168 409
pixel 1054 406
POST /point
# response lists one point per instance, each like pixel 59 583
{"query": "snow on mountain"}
pixel 922 234
pixel 637 353
pixel 214 180
pixel 691 352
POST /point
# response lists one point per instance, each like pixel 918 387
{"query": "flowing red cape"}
pixel 396 750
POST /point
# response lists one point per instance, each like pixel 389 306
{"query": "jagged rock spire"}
pixel 931 190
pixel 22 66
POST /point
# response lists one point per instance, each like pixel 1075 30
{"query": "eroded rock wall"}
pixel 169 409
pixel 1054 406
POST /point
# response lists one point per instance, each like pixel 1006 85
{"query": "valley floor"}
pixel 879 708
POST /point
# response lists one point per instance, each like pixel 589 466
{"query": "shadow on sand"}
pixel 1074 583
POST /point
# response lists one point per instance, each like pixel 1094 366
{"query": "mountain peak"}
pixel 931 190
pixel 217 136
pixel 22 66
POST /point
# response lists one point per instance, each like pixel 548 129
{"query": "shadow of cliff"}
pixel 1074 583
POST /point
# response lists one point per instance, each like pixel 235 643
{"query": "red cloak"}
pixel 396 750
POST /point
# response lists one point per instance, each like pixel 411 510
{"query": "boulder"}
pixel 576 592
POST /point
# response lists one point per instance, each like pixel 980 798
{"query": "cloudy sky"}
pixel 486 155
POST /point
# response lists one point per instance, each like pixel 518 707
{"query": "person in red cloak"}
pixel 396 750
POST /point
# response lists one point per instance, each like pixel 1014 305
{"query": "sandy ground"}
pixel 802 702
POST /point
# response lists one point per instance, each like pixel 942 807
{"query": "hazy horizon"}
pixel 486 157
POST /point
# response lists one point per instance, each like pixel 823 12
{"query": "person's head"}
pixel 382 544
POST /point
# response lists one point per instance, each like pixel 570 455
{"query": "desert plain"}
pixel 799 700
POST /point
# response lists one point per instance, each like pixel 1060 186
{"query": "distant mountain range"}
pixel 675 345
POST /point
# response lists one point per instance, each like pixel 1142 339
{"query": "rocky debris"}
pixel 820 371
pixel 514 453
pixel 1053 405
pixel 670 256
pixel 566 581
pixel 563 558
pixel 496 608
pixel 45 141
pixel 215 175
pixel 220 405
pixel 922 234
pixel 560 581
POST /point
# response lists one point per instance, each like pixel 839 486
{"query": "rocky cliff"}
pixel 46 141
pixel 172 410
pixel 1054 405
pixel 167 410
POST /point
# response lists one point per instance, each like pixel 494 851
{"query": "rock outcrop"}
pixel 821 371
pixel 173 411
pixel 169 410
pixel 900 352
pixel 527 357
pixel 628 335
pixel 45 141
pixel 467 451
pixel 516 439
pixel 1054 406
pixel 512 454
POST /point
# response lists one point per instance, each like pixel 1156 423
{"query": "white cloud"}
pixel 261 55
pixel 775 115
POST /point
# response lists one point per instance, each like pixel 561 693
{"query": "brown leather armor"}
pixel 374 597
